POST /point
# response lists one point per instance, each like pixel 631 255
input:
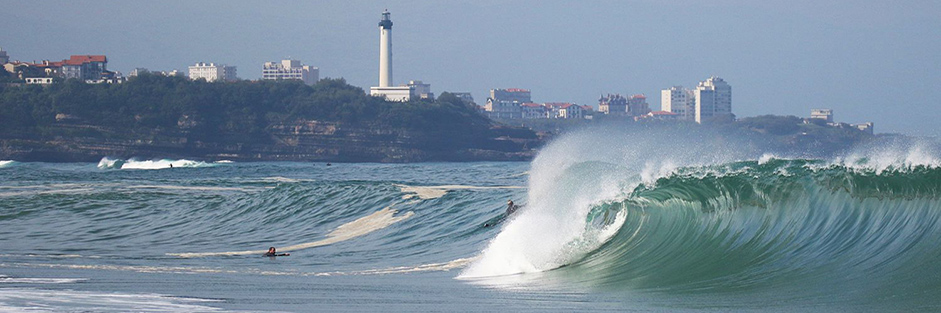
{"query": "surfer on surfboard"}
pixel 510 209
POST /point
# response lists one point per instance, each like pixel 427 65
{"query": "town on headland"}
pixel 79 110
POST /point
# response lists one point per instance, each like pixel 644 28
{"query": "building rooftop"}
pixel 516 90
pixel 82 59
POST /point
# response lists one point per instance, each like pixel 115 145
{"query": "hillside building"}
pixel 212 72
pixel 506 103
pixel 823 114
pixel 290 70
pixel 613 104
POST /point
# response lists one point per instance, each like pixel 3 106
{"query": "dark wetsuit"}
pixel 511 208
pixel 276 254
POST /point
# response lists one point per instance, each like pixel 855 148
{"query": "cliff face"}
pixel 304 140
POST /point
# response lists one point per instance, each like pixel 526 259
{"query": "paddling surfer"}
pixel 273 252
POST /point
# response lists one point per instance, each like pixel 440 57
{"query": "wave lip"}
pixel 6 163
pixel 120 164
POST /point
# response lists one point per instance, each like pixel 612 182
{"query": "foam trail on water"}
pixel 27 280
pixel 364 225
pixel 434 192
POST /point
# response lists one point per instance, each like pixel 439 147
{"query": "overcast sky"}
pixel 869 61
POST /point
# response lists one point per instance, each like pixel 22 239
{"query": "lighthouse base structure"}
pixel 399 94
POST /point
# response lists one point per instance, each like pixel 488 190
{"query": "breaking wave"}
pixel 863 223
pixel 120 164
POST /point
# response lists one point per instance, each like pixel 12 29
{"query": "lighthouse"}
pixel 385 50
pixel 413 90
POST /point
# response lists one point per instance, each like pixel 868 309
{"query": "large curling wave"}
pixel 866 223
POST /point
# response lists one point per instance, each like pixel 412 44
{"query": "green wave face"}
pixel 798 227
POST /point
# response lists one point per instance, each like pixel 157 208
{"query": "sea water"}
pixel 621 230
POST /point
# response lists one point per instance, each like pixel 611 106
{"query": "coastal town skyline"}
pixel 562 69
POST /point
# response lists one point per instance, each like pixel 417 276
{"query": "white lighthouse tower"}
pixel 385 50
pixel 385 88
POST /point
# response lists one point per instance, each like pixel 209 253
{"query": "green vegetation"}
pixel 154 105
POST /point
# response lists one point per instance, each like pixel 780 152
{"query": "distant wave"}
pixel 108 163
pixel 6 163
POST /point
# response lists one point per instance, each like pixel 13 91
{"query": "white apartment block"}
pixel 212 72
pixel 680 101
pixel 713 98
pixel 290 69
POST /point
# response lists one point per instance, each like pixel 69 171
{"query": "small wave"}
pixel 6 163
pixel 225 162
pixel 107 163
pixel 362 226
pixel 28 280
pixel 38 300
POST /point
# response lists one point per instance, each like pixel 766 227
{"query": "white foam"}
pixel 5 163
pixel 107 163
pixel 39 300
pixel 765 158
pixel 890 158
pixel 362 226
pixel 28 280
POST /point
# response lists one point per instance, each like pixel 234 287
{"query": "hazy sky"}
pixel 876 61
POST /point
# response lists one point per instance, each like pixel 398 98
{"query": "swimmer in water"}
pixel 273 252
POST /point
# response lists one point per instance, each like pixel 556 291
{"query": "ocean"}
pixel 604 225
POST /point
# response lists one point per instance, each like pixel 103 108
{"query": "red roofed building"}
pixel 663 115
pixel 84 67
pixel 565 110
pixel 534 110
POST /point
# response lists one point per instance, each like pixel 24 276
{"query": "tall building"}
pixel 680 101
pixel 290 69
pixel 213 72
pixel 506 103
pixel 713 98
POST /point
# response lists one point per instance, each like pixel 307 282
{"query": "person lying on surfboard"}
pixel 510 207
pixel 273 252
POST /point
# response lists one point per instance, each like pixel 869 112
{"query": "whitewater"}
pixel 621 221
